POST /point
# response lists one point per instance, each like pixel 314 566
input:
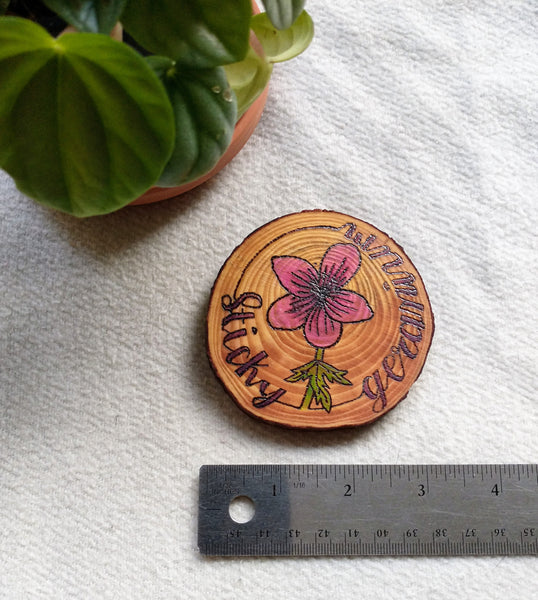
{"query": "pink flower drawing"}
pixel 316 300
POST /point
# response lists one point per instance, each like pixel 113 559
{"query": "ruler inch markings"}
pixel 345 510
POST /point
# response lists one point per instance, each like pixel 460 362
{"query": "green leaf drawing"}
pixel 85 124
pixel 205 112
pixel 95 16
pixel 318 374
pixel 199 35
pixel 283 13
pixel 285 44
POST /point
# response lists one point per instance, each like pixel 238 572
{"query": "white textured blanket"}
pixel 419 116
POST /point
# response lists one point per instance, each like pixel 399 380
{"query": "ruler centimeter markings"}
pixel 345 510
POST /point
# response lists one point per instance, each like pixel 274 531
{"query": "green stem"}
pixel 307 398
pixel 309 394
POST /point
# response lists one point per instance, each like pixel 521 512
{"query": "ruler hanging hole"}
pixel 242 509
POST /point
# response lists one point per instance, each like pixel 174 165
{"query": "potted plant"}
pixel 88 123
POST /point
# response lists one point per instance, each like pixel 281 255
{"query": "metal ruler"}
pixel 343 510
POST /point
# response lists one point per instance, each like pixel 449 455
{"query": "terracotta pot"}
pixel 243 130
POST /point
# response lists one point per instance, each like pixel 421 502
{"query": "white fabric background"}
pixel 419 116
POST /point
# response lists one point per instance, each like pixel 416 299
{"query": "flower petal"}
pixel 320 330
pixel 295 274
pixel 340 263
pixel 348 307
pixel 287 313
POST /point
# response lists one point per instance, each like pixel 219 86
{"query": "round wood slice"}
pixel 318 320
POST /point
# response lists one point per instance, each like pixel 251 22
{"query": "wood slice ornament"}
pixel 318 320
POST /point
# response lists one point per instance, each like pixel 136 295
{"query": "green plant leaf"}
pixel 283 13
pixel 301 373
pixel 95 16
pixel 323 397
pixel 248 79
pixel 333 374
pixel 205 112
pixel 85 125
pixel 201 35
pixel 284 44
pixel 319 374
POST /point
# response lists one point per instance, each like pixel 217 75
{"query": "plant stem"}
pixel 307 398
pixel 309 394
